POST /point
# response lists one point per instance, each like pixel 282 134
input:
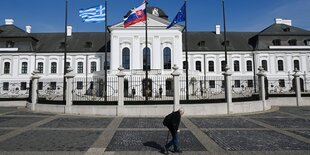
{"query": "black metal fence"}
pixel 213 87
pixel 50 90
pixel 157 88
pixel 92 89
pixel 16 89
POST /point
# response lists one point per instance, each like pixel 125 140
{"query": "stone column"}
pixel 228 92
pixel 298 89
pixel 120 104
pixel 176 87
pixel 261 85
pixel 34 89
pixel 69 76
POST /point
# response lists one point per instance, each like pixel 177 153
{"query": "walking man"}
pixel 172 122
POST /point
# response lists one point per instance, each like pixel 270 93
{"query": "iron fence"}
pixel 14 89
pixel 213 87
pixel 93 89
pixel 157 88
pixel 50 89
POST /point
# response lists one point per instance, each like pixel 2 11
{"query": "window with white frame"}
pixel 24 68
pixel 296 65
pixel 167 58
pixel 126 58
pixel 198 66
pixel 93 66
pixel 54 67
pixel 223 66
pixel 265 65
pixel 280 65
pixel 184 64
pixel 236 66
pixel 6 68
pixel 249 66
pixel 80 67
pixel 5 86
pixel 40 67
pixel 211 66
pixel 147 59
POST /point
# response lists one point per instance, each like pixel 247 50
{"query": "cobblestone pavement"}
pixel 285 130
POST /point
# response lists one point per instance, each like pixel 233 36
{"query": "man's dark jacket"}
pixel 174 122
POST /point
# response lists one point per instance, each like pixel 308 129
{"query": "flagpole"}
pixel 106 51
pixel 146 55
pixel 65 53
pixel 225 47
pixel 186 52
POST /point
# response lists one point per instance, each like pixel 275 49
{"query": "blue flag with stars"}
pixel 180 17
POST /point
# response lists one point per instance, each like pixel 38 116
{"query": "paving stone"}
pixel 18 121
pixel 7 109
pixel 223 122
pixel 302 111
pixel 78 122
pixel 246 140
pixel 48 140
pixel 28 113
pixel 270 115
pixel 304 133
pixel 2 132
pixel 151 141
pixel 285 122
pixel 144 123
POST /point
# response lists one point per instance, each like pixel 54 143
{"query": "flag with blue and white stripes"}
pixel 93 15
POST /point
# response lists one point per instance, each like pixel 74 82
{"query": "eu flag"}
pixel 180 17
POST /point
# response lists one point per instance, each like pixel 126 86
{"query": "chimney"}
pixel 28 29
pixel 9 21
pixel 283 21
pixel 69 31
pixel 218 29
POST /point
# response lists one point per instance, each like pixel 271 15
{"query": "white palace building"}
pixel 279 49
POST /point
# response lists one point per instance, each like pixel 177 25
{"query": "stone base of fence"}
pixel 13 103
pixel 162 110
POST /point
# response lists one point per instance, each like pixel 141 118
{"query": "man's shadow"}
pixel 154 145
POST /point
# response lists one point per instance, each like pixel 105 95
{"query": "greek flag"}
pixel 93 15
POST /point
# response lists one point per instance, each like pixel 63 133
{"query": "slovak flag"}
pixel 137 15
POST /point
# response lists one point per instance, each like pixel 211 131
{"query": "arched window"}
pixel 223 65
pixel 146 58
pixel 211 66
pixel 265 65
pixel 40 67
pixel 249 65
pixel 68 65
pixel 198 66
pixel 276 42
pixel 167 58
pixel 24 67
pixel 280 65
pixel 54 67
pixel 296 65
pixel 126 58
pixel 184 64
pixel 292 42
pixel 236 66
pixel 80 67
pixel 93 66
pixel 6 69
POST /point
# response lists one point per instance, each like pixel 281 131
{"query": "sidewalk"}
pixel 286 131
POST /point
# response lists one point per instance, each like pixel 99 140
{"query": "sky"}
pixel 203 15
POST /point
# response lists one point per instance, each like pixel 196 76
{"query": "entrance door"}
pixel 148 88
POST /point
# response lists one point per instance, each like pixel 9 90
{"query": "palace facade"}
pixel 279 49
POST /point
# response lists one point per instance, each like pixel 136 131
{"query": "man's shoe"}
pixel 166 151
